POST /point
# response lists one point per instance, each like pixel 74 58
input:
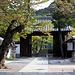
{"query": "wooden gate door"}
pixel 25 47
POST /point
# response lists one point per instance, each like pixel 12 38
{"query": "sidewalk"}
pixel 40 66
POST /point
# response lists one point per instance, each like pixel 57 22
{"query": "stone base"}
pixel 17 55
pixel 73 60
pixel 73 56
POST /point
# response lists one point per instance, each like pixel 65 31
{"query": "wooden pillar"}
pixel 25 46
pixel 56 45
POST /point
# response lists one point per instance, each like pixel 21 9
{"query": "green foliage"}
pixel 19 11
pixel 3 28
pixel 72 33
pixel 64 14
pixel 16 37
pixel 45 0
pixel 10 58
pixel 63 17
pixel 22 14
pixel 38 41
pixel 35 42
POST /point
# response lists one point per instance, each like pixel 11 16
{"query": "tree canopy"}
pixel 17 16
pixel 63 16
pixel 64 13
pixel 20 12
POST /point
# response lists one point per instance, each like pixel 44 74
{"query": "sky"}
pixel 42 5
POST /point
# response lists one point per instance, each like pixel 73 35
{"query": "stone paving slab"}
pixel 17 64
pixel 37 73
pixel 61 68
pixel 33 73
pixel 61 65
pixel 39 64
pixel 49 73
pixel 10 73
pixel 72 73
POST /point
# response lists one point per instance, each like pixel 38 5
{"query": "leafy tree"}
pixel 3 28
pixel 62 17
pixel 18 18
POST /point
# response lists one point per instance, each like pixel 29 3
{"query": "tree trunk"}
pixel 7 41
pixel 60 40
pixel 3 55
pixel 4 49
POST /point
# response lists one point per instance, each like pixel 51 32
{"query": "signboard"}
pixel 70 46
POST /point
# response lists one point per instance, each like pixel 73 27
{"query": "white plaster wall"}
pixel 17 48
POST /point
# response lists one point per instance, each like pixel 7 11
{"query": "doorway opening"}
pixel 42 46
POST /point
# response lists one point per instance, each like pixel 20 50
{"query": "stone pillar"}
pixel 73 56
pixel 73 52
pixel 13 51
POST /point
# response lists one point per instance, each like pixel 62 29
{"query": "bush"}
pixel 10 58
